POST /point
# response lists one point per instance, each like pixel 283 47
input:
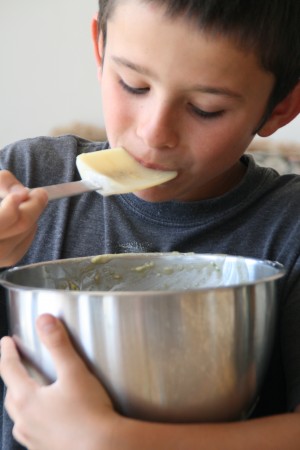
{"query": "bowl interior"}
pixel 145 272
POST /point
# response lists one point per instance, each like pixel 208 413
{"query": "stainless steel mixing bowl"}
pixel 173 337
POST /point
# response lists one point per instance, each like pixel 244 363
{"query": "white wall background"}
pixel 47 73
pixel 48 76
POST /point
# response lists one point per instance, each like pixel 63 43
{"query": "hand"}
pixel 19 212
pixel 73 412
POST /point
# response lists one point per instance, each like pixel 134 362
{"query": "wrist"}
pixel 106 433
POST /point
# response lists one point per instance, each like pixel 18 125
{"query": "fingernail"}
pixel 47 323
pixel 17 188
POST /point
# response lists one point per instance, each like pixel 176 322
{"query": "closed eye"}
pixel 133 90
pixel 206 114
pixel 196 111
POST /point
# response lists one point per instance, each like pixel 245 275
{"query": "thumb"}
pixel 55 337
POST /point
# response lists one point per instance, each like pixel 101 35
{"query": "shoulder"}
pixel 45 151
pixel 49 157
pixel 268 179
pixel 44 144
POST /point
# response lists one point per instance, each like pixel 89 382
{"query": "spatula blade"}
pixel 117 172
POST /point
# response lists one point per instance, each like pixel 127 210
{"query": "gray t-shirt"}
pixel 258 218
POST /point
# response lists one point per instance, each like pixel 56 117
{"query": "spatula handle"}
pixel 57 191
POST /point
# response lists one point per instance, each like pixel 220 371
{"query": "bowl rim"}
pixel 277 266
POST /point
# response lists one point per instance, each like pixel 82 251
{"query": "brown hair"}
pixel 270 28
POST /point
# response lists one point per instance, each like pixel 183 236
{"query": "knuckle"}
pixel 21 402
pixel 17 402
pixel 7 179
pixel 6 175
pixel 20 433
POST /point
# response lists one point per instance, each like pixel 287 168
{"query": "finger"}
pixel 8 183
pixel 20 212
pixel 9 210
pixel 20 436
pixel 12 370
pixel 39 197
pixel 55 337
pixel 27 205
pixel 18 192
pixel 11 406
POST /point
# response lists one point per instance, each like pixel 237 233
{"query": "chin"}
pixel 153 196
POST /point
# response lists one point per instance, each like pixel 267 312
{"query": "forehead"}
pixel 176 48
pixel 137 11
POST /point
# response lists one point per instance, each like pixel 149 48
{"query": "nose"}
pixel 158 126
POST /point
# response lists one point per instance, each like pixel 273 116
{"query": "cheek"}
pixel 238 140
pixel 221 145
pixel 116 107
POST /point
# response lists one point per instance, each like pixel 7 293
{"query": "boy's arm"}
pixel 75 411
pixel 274 433
pixel 19 212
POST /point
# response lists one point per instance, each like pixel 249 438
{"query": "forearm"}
pixel 272 433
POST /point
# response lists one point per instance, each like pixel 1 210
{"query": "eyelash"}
pixel 132 90
pixel 198 112
pixel 205 114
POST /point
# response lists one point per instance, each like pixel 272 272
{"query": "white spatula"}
pixel 109 172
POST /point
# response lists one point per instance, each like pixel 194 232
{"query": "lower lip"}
pixel 151 166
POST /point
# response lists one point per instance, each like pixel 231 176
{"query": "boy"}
pixel 185 86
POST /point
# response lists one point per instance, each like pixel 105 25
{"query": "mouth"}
pixel 151 165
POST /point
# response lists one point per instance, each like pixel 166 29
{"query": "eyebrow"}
pixel 198 87
pixel 132 66
pixel 218 91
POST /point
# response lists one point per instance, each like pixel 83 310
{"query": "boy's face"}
pixel 178 99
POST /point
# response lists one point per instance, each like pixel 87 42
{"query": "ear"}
pixel 97 44
pixel 283 113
